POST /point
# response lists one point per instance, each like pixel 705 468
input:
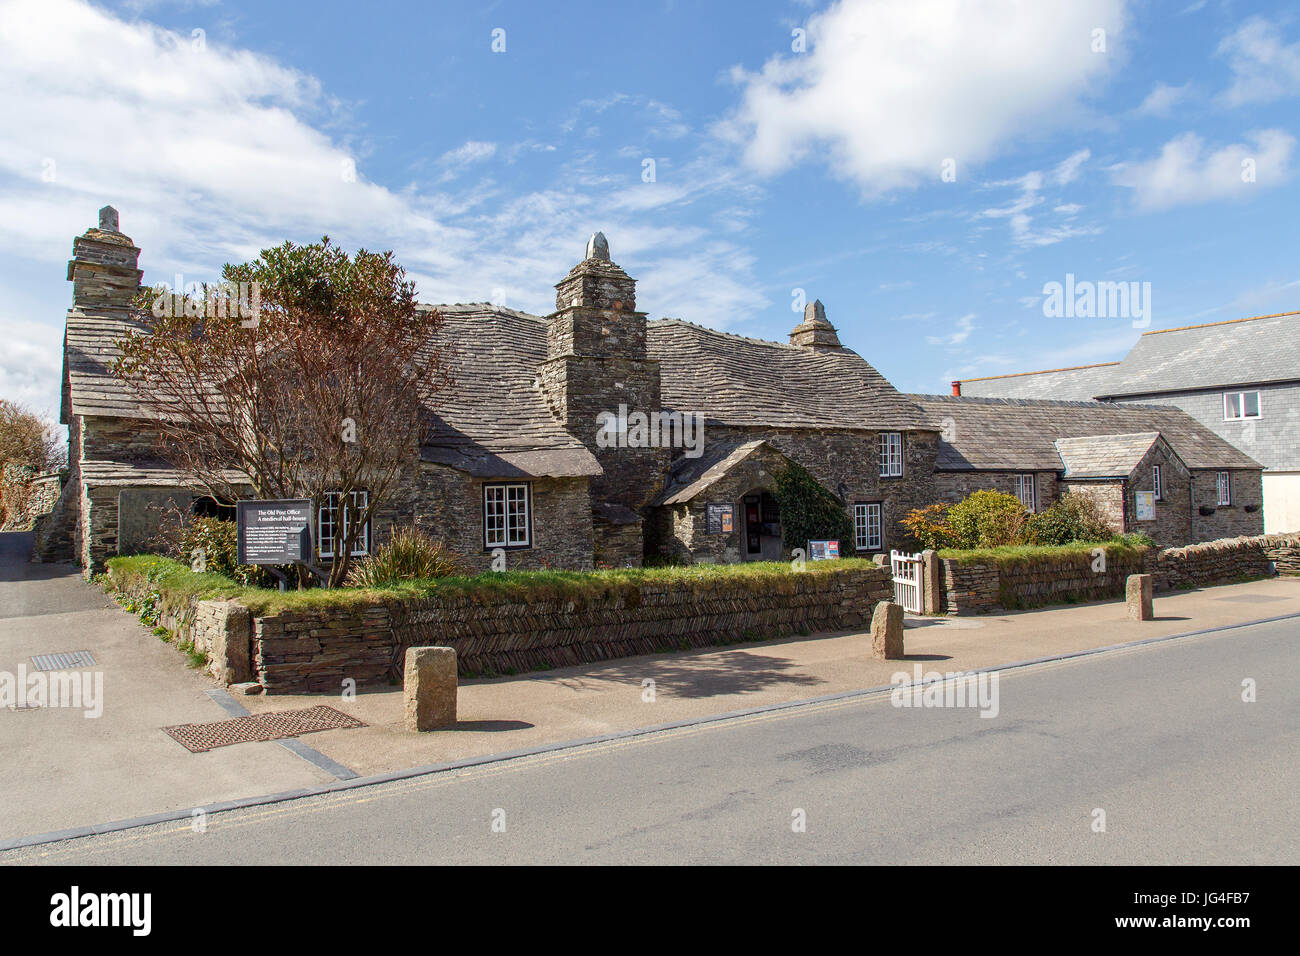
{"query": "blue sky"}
pixel 1114 156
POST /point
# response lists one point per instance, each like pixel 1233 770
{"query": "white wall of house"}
pixel 1281 501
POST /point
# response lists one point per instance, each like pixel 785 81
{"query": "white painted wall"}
pixel 1281 501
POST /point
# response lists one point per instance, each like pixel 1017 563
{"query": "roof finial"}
pixel 108 219
pixel 597 247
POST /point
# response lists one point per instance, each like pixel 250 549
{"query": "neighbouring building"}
pixel 1203 487
pixel 594 436
pixel 1239 378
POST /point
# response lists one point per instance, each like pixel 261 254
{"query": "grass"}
pixel 1016 555
pixel 176 584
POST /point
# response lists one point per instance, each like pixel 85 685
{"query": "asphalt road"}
pixel 1158 737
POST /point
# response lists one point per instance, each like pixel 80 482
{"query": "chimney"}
pixel 103 269
pixel 956 388
pixel 815 332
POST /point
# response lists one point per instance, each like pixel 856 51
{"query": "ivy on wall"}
pixel 809 512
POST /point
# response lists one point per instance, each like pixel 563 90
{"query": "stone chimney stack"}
pixel 596 362
pixel 815 332
pixel 103 269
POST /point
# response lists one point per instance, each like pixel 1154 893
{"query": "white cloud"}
pixel 889 89
pixel 1264 67
pixel 212 155
pixel 1162 99
pixel 1185 173
pixel 1067 171
pixel 965 326
pixel 1017 213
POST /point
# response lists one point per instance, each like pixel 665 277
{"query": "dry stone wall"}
pixel 314 652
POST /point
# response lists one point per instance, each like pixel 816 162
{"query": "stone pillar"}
pixel 932 582
pixel 1138 591
pixel 429 687
pixel 887 632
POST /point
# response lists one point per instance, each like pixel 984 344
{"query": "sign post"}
pixel 273 533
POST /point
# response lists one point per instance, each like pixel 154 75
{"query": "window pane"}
pixel 1250 404
pixel 1232 405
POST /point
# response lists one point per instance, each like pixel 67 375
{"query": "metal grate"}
pixel 63 661
pixel 278 725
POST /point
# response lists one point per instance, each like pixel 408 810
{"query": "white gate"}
pixel 907 580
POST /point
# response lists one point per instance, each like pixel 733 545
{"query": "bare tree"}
pixel 305 374
pixel 29 446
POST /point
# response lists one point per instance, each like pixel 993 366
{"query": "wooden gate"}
pixel 908 576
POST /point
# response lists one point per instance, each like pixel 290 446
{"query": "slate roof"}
pixel 1017 434
pixel 494 421
pixel 1263 348
pixel 89 388
pixel 1104 456
pixel 1076 383
pixel 734 380
pixel 1258 349
pixel 692 476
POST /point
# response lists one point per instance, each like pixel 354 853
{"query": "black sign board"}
pixel 719 518
pixel 274 532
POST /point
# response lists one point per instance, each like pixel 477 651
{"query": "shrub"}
pixel 1074 517
pixel 987 519
pixel 408 555
pixel 809 512
pixel 211 544
pixel 928 527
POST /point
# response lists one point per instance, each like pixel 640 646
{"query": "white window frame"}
pixel 1029 481
pixel 1241 406
pixel 1157 483
pixel 325 517
pixel 510 503
pixel 1223 488
pixel 867 526
pixel 891 454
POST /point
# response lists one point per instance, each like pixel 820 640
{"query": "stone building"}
pixel 596 437
pixel 1038 450
pixel 1239 378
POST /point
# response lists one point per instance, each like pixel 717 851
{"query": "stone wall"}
pixel 314 652
pixel 983 587
pixel 222 630
pixel 1244 517
pixel 953 486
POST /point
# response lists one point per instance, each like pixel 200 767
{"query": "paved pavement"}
pixel 66 771
pixel 62 769
pixel 1158 737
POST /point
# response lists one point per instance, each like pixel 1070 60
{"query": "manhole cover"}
pixel 197 738
pixel 63 661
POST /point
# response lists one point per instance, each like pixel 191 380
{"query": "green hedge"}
pixel 176 584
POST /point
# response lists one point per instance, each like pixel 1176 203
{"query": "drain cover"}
pixel 63 661
pixel 197 738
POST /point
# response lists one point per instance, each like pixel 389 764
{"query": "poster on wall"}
pixel 720 519
pixel 1146 506
pixel 273 532
pixel 823 550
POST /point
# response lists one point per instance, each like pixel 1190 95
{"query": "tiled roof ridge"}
pixel 670 320
pixel 1030 402
pixel 1208 325
pixel 1041 371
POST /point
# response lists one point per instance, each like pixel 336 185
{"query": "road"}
pixel 1156 736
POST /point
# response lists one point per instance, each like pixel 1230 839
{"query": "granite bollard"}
pixel 887 631
pixel 429 688
pixel 1137 590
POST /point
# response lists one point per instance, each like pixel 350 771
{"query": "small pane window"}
pixel 1224 483
pixel 1027 492
pixel 327 520
pixel 891 454
pixel 506 516
pixel 866 526
pixel 1156 484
